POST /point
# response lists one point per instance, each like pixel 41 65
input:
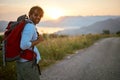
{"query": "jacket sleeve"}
pixel 26 37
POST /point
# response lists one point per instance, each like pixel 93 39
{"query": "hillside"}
pixel 113 25
pixel 75 21
pixel 68 22
pixel 3 25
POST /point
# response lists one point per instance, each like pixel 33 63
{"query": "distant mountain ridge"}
pixel 69 21
pixel 76 21
pixel 113 25
pixel 3 25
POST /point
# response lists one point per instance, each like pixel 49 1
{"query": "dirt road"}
pixel 101 61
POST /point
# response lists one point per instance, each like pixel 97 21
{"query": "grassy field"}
pixel 53 50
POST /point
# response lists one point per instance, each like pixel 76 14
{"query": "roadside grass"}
pixel 53 50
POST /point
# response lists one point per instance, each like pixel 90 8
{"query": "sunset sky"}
pixel 11 9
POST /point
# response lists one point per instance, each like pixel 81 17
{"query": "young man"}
pixel 26 69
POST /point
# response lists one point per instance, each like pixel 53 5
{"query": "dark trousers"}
pixel 27 71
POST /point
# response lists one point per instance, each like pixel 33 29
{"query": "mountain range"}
pixel 113 25
pixel 74 21
pixel 3 25
pixel 74 25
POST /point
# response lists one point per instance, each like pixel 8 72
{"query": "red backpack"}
pixel 11 41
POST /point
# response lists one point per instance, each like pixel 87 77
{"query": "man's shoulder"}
pixel 30 26
pixel 29 23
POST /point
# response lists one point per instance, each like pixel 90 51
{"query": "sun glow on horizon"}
pixel 54 13
pixel 48 30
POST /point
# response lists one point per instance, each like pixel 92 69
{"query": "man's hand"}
pixel 40 38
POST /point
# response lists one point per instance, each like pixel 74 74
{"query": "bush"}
pixel 106 32
pixel 7 72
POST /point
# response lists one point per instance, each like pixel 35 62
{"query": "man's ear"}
pixel 29 15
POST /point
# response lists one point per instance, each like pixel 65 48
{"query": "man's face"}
pixel 36 17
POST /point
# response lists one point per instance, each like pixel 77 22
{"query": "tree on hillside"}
pixel 106 32
pixel 118 32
